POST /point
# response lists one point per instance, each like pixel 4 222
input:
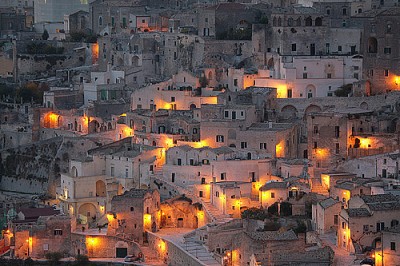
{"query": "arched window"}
pixel 318 21
pixel 372 45
pixel 100 21
pixel 308 21
pixel 290 22
pixel 298 22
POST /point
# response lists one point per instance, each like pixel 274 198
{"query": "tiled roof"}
pixel 133 193
pixel 358 212
pixel 272 235
pixel 326 203
pixel 33 213
pixel 382 202
pixel 273 185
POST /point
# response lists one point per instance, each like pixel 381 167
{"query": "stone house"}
pixel 361 225
pixel 325 215
pixel 134 212
pixel 38 231
pixel 390 246
pixel 180 212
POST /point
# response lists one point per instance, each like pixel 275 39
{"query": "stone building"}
pixel 180 212
pixel 361 225
pixel 325 215
pixel 134 212
pixel 38 231
pixel 381 31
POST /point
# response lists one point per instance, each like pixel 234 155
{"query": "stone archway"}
pixel 100 188
pixel 87 211
pixel 289 111
pixel 74 171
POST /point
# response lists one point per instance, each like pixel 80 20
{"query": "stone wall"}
pixel 170 252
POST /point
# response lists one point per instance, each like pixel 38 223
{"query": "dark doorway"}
pixel 312 49
pixel 121 252
pixel 180 222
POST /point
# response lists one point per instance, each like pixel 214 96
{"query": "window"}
pixel 172 99
pixel 384 161
pixel 339 48
pixel 243 145
pixel 387 50
pixel 132 209
pixel 223 176
pixel 191 162
pixel 272 195
pixel 315 129
pixel 344 11
pixel 365 228
pixel 217 194
pixel 393 246
pixel 315 145
pixel 226 114
pixel 179 161
pixel 337 131
pixel 386 72
pixel 100 21
pixel 233 207
pixel 235 82
pixel 289 93
pixel 263 146
pixel 194 130
pixel 112 171
pixel 58 232
pixel 389 28
pixel 294 47
pixel 337 148
pixel 329 75
pixel 380 226
pixel 173 177
pixel 335 219
pixel 355 75
pixel 343 225
pixel 200 194
pixel 219 138
pixel 304 75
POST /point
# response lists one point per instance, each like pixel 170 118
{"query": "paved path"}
pixel 342 257
pixel 189 244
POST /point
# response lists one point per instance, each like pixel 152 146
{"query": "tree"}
pixel 45 35
pixel 344 90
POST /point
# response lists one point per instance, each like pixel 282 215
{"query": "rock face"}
pixel 36 168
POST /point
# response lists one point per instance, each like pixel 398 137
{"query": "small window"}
pixel 219 138
pixel 393 246
pixel 329 75
pixel 315 145
pixel 339 48
pixel 217 194
pixel 263 146
pixel 226 114
pixel 243 145
pixel 272 195
pixel 294 47
pixel 386 72
pixel 387 50
pixel 132 209
pixel 58 232
pixel 173 99
pixel 223 176
pixel 335 219
pixel 304 75
pixel 365 227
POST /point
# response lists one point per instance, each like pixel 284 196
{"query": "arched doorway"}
pixel 74 171
pixel 192 106
pixel 87 211
pixel 311 91
pixel 100 189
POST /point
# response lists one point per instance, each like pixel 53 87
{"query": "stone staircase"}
pixel 316 187
pixel 197 250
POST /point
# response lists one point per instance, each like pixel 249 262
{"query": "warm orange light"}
pixel 321 153
pixel 123 115
pixel 110 217
pixel 325 181
pixel 147 220
pixel 95 53
pixel 365 143
pixel 162 246
pixel 280 149
pixel 397 80
pixel 281 91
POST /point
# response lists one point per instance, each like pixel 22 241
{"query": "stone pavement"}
pixel 189 244
pixel 342 257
